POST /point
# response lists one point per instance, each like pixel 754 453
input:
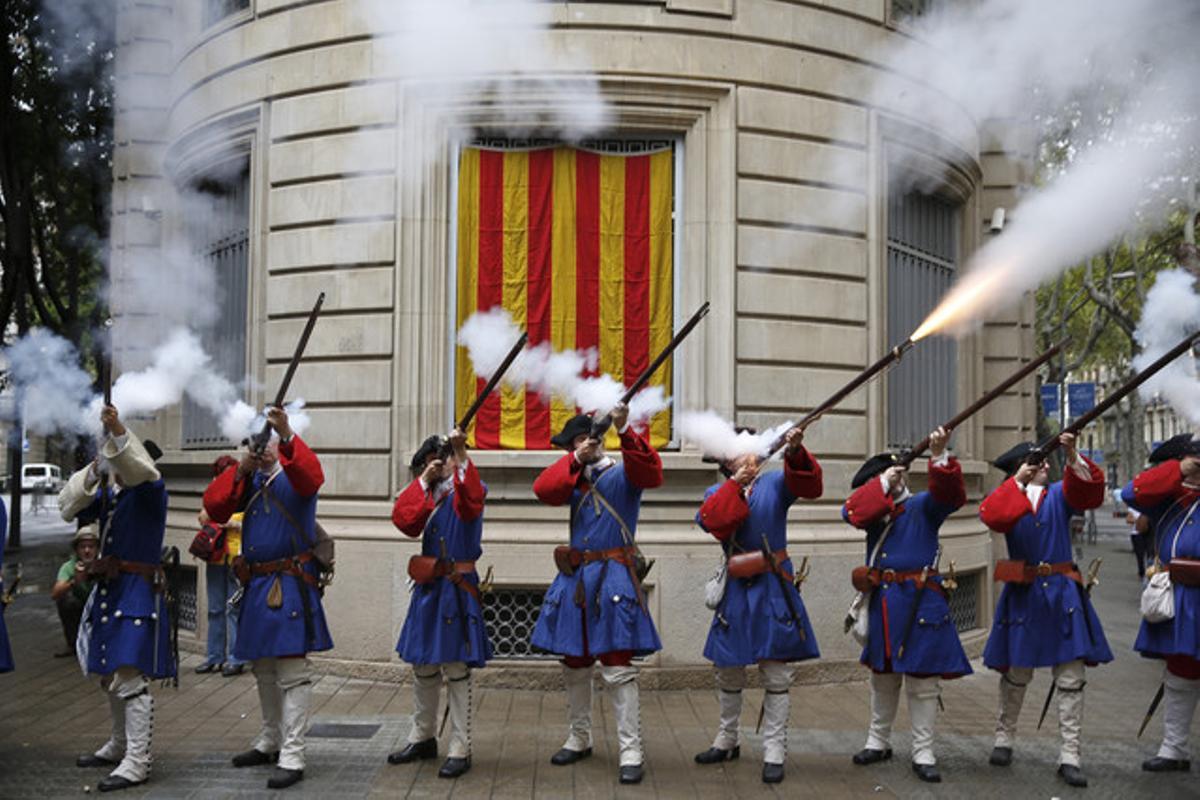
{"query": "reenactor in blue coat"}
pixel 1044 617
pixel 1170 492
pixel 281 619
pixel 443 634
pixel 125 634
pixel 6 659
pixel 595 608
pixel 911 636
pixel 761 618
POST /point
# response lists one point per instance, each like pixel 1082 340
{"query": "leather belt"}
pixel 622 555
pixel 878 576
pixel 292 565
pixel 744 566
pixel 1016 571
pixel 108 567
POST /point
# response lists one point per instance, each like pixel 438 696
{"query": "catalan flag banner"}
pixel 577 247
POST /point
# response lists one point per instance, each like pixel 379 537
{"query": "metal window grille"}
pixel 922 252
pixel 186 596
pixel 619 144
pixel 964 601
pixel 220 235
pixel 509 616
pixel 907 9
pixel 217 10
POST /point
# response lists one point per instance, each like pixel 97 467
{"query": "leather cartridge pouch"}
pixel 1010 571
pixel 423 569
pixel 566 559
pixel 748 565
pixel 860 578
pixel 1185 571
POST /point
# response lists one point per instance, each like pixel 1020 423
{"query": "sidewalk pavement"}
pixel 49 714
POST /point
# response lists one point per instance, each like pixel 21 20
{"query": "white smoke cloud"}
pixel 50 386
pixel 717 437
pixel 489 335
pixel 1171 312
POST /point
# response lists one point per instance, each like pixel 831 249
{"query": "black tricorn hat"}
pixel 872 467
pixel 429 447
pixel 1175 447
pixel 1011 460
pixel 576 425
pixel 153 450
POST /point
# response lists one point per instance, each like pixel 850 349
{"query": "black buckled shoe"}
pixel 255 758
pixel 564 756
pixel 630 774
pixel 415 751
pixel 927 772
pixel 282 778
pixel 454 767
pixel 88 760
pixel 772 773
pixel 1072 775
pixel 1159 764
pixel 868 756
pixel 715 755
pixel 114 783
pixel 1001 757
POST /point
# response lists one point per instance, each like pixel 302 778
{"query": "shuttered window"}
pixel 922 258
pixel 219 230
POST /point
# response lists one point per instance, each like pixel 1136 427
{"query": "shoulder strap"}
pixel 291 520
pixel 874 558
pixel 602 500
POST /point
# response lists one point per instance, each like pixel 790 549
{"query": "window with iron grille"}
pixel 509 616
pixel 922 257
pixel 219 231
pixel 185 594
pixel 217 10
pixel 964 601
pixel 907 9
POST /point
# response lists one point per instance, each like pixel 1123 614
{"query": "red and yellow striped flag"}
pixel 577 247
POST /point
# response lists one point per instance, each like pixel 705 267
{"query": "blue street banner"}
pixel 1050 399
pixel 1081 398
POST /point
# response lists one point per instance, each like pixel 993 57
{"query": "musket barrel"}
pixel 264 436
pixel 491 384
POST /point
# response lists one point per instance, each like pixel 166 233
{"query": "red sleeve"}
pixel 412 509
pixel 724 510
pixel 224 495
pixel 946 483
pixel 557 481
pixel 643 467
pixel 301 466
pixel 468 494
pixel 1002 509
pixel 868 504
pixel 802 475
pixel 1084 494
pixel 1158 484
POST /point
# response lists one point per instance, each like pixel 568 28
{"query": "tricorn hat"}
pixel 429 447
pixel 576 425
pixel 1011 460
pixel 1175 447
pixel 873 466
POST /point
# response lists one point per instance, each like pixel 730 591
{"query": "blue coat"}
pixel 1049 621
pixel 6 659
pixel 933 646
pixel 612 620
pixel 1175 511
pixel 433 628
pixel 753 622
pixel 265 632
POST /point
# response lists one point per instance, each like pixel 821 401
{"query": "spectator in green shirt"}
pixel 70 592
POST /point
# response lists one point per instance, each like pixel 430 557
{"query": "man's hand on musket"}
pixel 747 471
pixel 620 415
pixel 1190 467
pixel 1027 473
pixel 433 473
pixel 112 421
pixel 278 420
pixel 250 463
pixel 794 439
pixel 458 441
pixel 893 478
pixel 588 451
pixel 1067 440
pixel 937 442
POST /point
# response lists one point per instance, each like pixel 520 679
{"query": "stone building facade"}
pixel 787 221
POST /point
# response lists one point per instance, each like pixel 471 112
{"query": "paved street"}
pixel 49 714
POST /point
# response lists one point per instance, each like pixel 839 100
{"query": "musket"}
pixel 601 426
pixel 915 452
pixel 1051 443
pixel 259 441
pixel 466 418
pixel 1092 580
pixel 926 573
pixel 1158 696
pixel 889 359
pixel 106 386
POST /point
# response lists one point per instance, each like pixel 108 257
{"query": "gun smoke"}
pixel 566 374
pixel 1171 312
pixel 717 437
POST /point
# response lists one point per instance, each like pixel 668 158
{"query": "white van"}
pixel 44 477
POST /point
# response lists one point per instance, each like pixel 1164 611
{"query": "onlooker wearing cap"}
pixel 221 585
pixel 71 589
